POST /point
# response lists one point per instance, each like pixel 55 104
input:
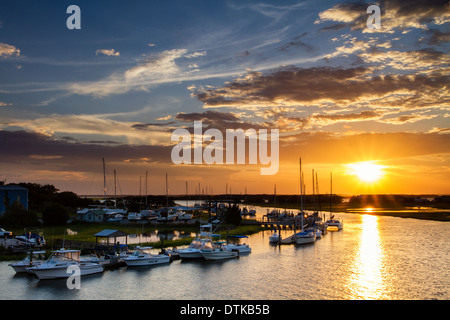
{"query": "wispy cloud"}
pixel 107 52
pixel 7 50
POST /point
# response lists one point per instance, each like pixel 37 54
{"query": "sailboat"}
pixel 304 236
pixel 333 223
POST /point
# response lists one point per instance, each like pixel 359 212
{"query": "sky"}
pixel 369 106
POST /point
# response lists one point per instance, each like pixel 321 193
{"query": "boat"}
pixel 218 252
pixel 202 240
pixel 335 224
pixel 241 248
pixel 183 216
pixel 305 237
pixel 56 266
pixel 274 238
pixel 31 260
pixel 134 216
pixel 141 258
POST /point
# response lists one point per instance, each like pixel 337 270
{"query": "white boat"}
pixel 31 260
pixel 218 252
pixel 141 258
pixel 274 238
pixel 305 237
pixel 57 264
pixel 240 247
pixel 201 241
pixel 335 223
pixel 183 216
pixel 134 216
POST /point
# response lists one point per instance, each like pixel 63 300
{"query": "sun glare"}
pixel 366 171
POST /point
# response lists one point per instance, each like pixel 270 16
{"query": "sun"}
pixel 366 171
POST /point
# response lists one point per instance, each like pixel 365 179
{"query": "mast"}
pixel 146 191
pixel 331 190
pixel 104 180
pixel 167 192
pixel 115 190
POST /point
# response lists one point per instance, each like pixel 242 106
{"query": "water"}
pixel 372 258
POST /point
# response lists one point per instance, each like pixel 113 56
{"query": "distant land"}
pixel 425 206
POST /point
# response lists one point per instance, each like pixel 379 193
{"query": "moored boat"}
pixel 57 265
pixel 31 260
pixel 141 258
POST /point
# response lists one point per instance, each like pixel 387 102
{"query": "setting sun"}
pixel 366 171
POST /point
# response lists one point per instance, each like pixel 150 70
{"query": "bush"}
pixel 55 214
pixel 16 216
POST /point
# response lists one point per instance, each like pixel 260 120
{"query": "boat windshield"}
pixel 64 256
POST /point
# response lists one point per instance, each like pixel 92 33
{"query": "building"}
pixel 10 194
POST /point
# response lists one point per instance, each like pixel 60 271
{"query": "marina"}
pixel 372 257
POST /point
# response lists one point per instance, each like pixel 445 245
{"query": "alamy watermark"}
pixel 374 20
pixel 74 280
pixel 213 153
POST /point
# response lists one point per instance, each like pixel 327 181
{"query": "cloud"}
pixel 107 52
pixel 322 86
pixel 152 70
pixel 425 60
pixel 395 14
pixel 7 50
pixel 85 127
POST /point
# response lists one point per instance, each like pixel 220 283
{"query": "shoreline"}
pixel 422 212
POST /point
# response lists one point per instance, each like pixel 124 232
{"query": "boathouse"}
pixel 12 193
pixel 109 233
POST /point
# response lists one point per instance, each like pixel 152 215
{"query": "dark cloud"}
pixel 22 147
pixel 298 85
pixel 394 13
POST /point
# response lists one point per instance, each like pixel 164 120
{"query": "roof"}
pixel 111 233
pixel 12 187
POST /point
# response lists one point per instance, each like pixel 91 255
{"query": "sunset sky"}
pixel 369 105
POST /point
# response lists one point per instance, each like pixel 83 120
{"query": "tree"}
pixel 16 216
pixel 55 214
pixel 233 215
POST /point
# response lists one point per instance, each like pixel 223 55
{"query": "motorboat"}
pixel 305 237
pixel 32 259
pixel 201 241
pixel 183 216
pixel 57 265
pixel 275 238
pixel 134 216
pixel 218 252
pixel 335 223
pixel 240 247
pixel 140 258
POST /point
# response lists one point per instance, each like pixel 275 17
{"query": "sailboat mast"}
pixel 167 192
pixel 331 190
pixel 104 180
pixel 146 191
pixel 115 190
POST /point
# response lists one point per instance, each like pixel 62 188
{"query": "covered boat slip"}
pixel 109 233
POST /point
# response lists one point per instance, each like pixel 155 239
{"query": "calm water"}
pixel 372 258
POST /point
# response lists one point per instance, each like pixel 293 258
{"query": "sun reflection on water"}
pixel 366 281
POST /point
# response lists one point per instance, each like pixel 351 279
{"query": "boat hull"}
pixel 147 261
pixel 190 254
pixel 304 240
pixel 220 255
pixel 55 272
